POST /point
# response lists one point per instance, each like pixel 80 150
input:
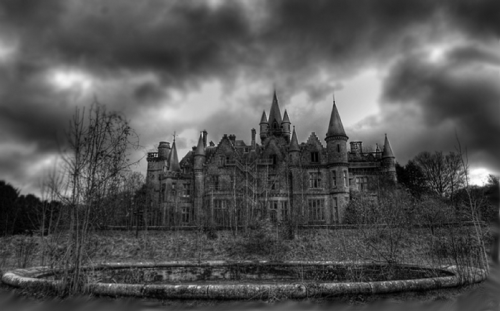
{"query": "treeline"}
pixel 25 214
pixel 433 189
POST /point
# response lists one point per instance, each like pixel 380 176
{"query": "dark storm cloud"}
pixel 455 91
pixel 31 111
pixel 182 44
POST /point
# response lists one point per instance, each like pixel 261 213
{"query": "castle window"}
pixel 231 181
pixel 186 214
pixel 338 147
pixel 345 178
pixel 221 215
pixel 314 180
pixel 362 183
pixel 273 211
pixel 275 125
pixel 314 157
pixel 186 191
pixel 272 182
pixel 334 179
pixel 284 210
pixel 163 192
pixel 274 159
pixel 216 182
pixel 316 210
pixel 335 214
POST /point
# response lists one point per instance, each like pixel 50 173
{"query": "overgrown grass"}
pixel 265 243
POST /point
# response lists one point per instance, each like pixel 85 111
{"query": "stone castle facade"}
pixel 233 183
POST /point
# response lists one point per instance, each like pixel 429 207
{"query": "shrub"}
pixel 264 241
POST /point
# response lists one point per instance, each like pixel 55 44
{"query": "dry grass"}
pixel 342 245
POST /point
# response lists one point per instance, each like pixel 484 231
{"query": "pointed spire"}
pixel 200 150
pixel 387 149
pixel 275 114
pixel 174 160
pixel 264 118
pixel 294 144
pixel 335 128
pixel 286 119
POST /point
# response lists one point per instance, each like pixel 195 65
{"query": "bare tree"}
pixel 444 173
pixel 97 152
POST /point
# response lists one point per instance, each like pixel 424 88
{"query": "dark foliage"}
pixel 24 214
pixel 412 178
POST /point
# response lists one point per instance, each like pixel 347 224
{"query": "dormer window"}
pixel 275 125
pixel 274 159
pixel 314 157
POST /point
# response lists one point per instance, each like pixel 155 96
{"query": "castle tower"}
pixel 389 161
pixel 164 150
pixel 336 139
pixel 336 146
pixel 294 149
pixel 199 161
pixel 285 125
pixel 275 117
pixel 264 127
pixel 174 160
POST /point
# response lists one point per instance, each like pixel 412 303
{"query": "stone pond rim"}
pixel 37 277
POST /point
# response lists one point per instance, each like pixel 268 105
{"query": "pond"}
pixel 251 279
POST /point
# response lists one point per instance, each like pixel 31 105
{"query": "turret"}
pixel 389 161
pixel 199 160
pixel 174 160
pixel 264 126
pixel 285 125
pixel 253 139
pixel 275 117
pixel 336 144
pixel 163 150
pixel 336 139
pixel 199 154
pixel 205 137
pixel 294 149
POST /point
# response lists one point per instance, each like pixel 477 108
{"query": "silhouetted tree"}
pixel 412 178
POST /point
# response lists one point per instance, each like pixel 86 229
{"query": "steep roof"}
pixel 387 153
pixel 294 144
pixel 275 114
pixel 200 149
pixel 174 160
pixel 286 119
pixel 264 117
pixel 335 127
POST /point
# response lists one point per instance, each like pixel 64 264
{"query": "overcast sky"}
pixel 419 71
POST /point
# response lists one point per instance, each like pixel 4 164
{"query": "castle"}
pixel 232 183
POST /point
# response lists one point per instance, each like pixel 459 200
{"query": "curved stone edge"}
pixel 31 278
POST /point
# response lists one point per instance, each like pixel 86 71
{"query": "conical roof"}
pixel 294 144
pixel 335 127
pixel 200 149
pixel 286 119
pixel 387 153
pixel 264 118
pixel 275 114
pixel 174 160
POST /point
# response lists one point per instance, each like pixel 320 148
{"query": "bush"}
pixel 264 241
